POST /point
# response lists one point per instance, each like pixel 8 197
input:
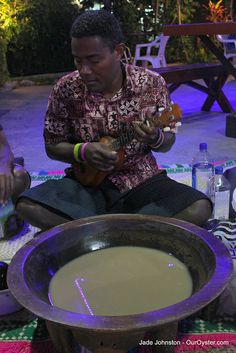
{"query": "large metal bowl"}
pixel 32 268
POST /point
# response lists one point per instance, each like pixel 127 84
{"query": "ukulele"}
pixel 166 119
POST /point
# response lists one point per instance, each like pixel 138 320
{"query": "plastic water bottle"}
pixel 221 199
pixel 202 169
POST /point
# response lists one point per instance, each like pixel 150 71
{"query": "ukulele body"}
pixel 88 175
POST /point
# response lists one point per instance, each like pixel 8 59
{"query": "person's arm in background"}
pixel 14 179
pixel 6 168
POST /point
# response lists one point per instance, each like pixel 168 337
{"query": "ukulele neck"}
pixel 162 119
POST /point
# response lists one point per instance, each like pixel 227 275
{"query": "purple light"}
pixel 83 297
pixel 50 299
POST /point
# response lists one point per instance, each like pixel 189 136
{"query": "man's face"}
pixel 97 64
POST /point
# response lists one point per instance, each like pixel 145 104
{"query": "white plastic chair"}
pixel 228 52
pixel 157 60
pixel 127 57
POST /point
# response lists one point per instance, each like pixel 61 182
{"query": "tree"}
pixel 10 25
pixel 4 74
pixel 43 43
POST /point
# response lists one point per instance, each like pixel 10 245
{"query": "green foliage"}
pixel 43 42
pixel 11 17
pixel 3 62
pixel 10 25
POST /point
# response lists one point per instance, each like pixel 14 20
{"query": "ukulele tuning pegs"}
pixel 178 123
pixel 166 129
pixel 161 109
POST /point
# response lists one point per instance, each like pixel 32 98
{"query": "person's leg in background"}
pixel 21 181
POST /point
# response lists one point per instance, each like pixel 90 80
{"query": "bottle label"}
pixel 202 180
pixel 5 212
pixel 221 207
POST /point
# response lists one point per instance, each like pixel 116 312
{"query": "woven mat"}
pixel 178 172
pixel 8 248
pixel 25 333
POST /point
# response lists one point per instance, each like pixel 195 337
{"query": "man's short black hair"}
pixel 98 23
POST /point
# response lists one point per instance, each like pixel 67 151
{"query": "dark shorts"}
pixel 159 195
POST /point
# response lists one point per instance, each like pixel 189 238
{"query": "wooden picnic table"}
pixel 203 31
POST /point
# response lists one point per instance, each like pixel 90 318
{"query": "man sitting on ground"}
pixel 105 97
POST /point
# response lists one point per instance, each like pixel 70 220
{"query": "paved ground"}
pixel 22 114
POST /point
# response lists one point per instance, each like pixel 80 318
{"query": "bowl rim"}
pixel 124 323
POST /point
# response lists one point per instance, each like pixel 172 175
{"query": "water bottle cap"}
pixel 219 170
pixel 203 146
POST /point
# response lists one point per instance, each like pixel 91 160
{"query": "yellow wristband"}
pixel 76 152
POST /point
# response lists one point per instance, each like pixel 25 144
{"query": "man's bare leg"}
pixel 198 213
pixel 37 215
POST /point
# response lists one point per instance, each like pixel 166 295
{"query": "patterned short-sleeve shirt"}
pixel 76 115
